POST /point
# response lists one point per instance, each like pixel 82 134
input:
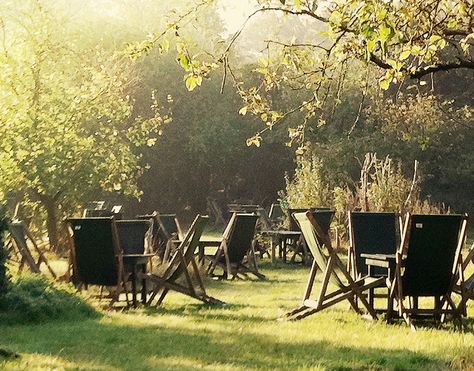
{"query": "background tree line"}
pixel 149 143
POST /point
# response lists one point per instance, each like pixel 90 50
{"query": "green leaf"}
pixel 184 61
pixel 404 55
pixel 384 32
pixel 191 82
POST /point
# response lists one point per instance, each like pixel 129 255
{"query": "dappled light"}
pixel 248 185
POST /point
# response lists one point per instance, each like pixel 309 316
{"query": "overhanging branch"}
pixel 442 67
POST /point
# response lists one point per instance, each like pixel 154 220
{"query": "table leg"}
pixel 144 291
pixel 272 247
pixel 134 285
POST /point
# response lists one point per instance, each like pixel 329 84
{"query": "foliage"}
pixel 34 299
pixel 401 40
pixel 437 133
pixel 307 187
pixel 67 128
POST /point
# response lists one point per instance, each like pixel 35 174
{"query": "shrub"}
pixel 33 299
pixel 307 188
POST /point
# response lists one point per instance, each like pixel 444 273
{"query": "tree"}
pixel 394 41
pixel 66 126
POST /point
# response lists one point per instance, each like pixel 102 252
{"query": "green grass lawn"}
pixel 243 335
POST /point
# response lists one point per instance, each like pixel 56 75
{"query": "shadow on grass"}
pixel 108 345
pixel 201 312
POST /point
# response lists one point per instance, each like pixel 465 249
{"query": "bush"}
pixel 307 188
pixel 33 299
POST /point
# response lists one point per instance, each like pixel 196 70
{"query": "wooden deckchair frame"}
pixel 444 305
pixel 122 276
pixel 329 263
pixel 21 245
pixel 234 269
pixel 182 263
pixel 466 288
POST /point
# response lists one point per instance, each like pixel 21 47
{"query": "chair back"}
pixel 134 235
pixel 276 213
pixel 432 244
pixel 239 235
pixel 293 226
pixel 372 233
pixel 97 251
pixel 169 225
pixel 317 240
pixel 187 247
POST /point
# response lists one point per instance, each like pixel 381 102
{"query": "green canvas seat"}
pixel 276 214
pixel 371 233
pixel 181 273
pixel 236 253
pixel 96 254
pixel 134 236
pixel 165 229
pixel 21 236
pixel 337 284
pixel 428 265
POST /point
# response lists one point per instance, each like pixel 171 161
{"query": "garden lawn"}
pixel 244 335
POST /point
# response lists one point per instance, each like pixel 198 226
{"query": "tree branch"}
pixel 442 67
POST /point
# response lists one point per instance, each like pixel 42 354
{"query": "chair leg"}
pixel 162 297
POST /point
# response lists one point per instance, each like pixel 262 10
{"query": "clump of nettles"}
pixel 34 298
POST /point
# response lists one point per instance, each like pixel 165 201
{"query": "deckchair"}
pixel 326 260
pixel 236 253
pixel 276 214
pixel 323 216
pixel 97 255
pixel 180 270
pixel 466 290
pixel 165 229
pixel 371 233
pixel 428 265
pixel 21 235
pixel 134 236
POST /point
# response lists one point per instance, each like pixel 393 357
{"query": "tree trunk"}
pixel 51 222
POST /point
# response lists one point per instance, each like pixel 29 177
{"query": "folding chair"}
pixel 276 214
pixel 178 273
pixel 326 260
pixel 21 235
pixel 236 253
pixel 371 233
pixel 298 247
pixel 134 236
pixel 467 289
pixel 165 230
pixel 428 265
pixel 96 255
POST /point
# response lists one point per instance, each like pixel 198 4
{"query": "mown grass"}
pixel 243 335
